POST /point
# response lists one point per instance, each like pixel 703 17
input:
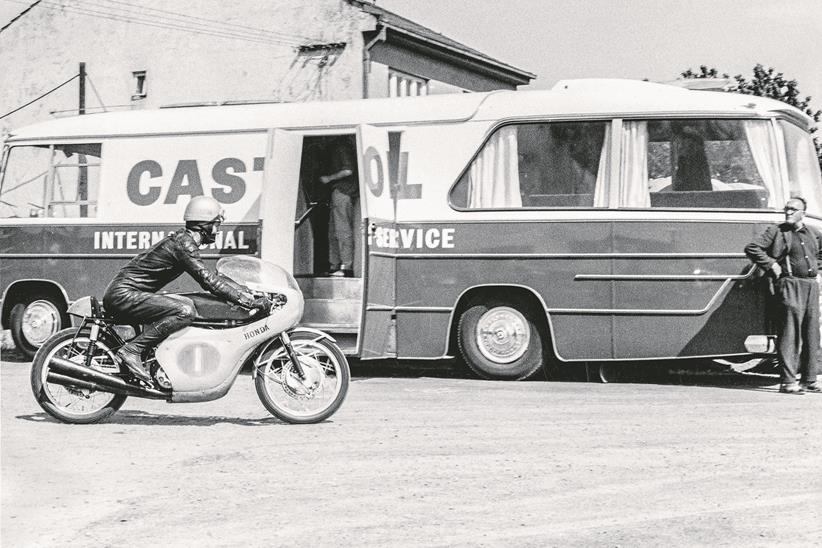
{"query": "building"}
pixel 152 54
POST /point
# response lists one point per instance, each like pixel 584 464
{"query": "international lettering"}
pixel 144 239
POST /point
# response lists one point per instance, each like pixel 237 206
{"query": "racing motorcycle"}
pixel 300 374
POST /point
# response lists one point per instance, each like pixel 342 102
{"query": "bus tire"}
pixel 33 321
pixel 501 340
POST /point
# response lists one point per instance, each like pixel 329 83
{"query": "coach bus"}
pixel 601 220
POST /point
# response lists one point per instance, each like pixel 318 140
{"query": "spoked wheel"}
pixel 303 400
pixel 74 403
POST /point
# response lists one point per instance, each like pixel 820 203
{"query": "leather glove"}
pixel 280 300
pixel 263 304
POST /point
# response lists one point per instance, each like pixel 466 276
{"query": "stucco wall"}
pixel 45 47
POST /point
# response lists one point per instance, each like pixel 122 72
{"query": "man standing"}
pixel 344 194
pixel 791 252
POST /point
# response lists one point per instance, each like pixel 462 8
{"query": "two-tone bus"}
pixel 597 221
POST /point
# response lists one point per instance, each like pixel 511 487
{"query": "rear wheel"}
pixel 74 404
pixel 313 398
pixel 501 339
pixel 33 321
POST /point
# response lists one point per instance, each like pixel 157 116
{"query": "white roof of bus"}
pixel 568 98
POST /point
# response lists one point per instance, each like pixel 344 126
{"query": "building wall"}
pixel 44 48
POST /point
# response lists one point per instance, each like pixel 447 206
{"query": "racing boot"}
pixel 132 352
pixel 132 357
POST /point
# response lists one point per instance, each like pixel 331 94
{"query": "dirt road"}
pixel 423 462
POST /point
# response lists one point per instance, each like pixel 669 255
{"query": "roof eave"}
pixel 479 63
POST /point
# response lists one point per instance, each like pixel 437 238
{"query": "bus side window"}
pixel 51 181
pixel 723 164
pixel 537 165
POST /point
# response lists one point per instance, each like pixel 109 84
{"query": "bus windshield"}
pixel 804 177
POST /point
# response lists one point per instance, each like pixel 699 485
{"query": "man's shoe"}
pixel 134 362
pixel 812 387
pixel 791 389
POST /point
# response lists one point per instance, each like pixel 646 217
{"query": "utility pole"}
pixel 82 159
pixel 82 101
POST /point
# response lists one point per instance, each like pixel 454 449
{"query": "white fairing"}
pixel 202 363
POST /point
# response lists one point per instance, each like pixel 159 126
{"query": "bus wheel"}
pixel 607 373
pixel 501 340
pixel 33 321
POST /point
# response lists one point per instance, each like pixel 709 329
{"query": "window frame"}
pixel 141 84
pixel 49 203
pixel 780 154
pixel 399 76
pixel 608 187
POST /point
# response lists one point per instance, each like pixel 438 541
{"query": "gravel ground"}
pixel 411 460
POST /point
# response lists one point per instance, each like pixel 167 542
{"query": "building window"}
pixel 405 85
pixel 140 88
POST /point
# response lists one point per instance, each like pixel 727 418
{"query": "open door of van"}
pixel 278 199
pixel 378 205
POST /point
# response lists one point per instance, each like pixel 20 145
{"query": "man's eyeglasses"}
pixel 792 209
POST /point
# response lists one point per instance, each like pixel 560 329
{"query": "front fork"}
pixel 289 350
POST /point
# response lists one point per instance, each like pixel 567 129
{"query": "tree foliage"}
pixel 765 83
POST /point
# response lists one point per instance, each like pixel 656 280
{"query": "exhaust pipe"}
pixel 66 372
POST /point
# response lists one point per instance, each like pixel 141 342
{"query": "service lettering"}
pixel 412 238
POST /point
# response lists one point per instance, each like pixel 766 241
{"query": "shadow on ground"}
pixel 683 372
pixel 129 418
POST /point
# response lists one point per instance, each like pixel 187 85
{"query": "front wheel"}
pixel 74 404
pixel 313 398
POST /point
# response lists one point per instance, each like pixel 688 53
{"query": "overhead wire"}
pixel 53 5
pixel 40 97
pixel 213 21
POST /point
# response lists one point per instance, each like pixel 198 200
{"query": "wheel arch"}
pixel 508 291
pixel 18 291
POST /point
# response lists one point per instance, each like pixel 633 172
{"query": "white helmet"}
pixel 203 208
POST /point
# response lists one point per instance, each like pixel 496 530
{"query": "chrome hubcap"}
pixel 503 334
pixel 41 320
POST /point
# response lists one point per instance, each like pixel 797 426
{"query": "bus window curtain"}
pixel 763 150
pixel 494 174
pixel 601 190
pixel 633 174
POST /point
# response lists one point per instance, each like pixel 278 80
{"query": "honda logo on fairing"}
pixel 255 332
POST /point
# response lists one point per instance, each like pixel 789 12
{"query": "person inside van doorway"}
pixel 132 294
pixel 792 253
pixel 344 194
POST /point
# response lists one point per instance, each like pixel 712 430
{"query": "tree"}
pixel 766 83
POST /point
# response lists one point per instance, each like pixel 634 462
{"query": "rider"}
pixel 132 292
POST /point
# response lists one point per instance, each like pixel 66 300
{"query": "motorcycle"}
pixel 300 374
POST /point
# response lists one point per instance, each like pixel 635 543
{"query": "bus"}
pixel 598 221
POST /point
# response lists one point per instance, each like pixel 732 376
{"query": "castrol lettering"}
pixel 148 184
pixel 374 174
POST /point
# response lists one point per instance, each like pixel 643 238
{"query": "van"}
pixel 601 220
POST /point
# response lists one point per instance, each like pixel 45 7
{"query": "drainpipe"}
pixel 366 59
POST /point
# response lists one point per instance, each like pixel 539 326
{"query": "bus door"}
pixel 378 206
pixel 278 197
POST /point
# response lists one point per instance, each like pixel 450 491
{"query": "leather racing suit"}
pixel 131 295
